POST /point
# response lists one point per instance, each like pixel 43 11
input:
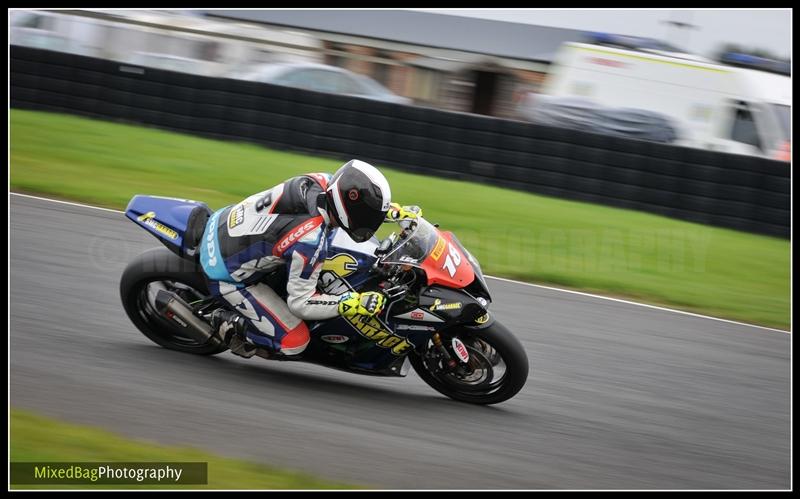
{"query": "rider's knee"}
pixel 296 340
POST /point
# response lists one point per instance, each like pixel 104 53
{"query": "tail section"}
pixel 177 223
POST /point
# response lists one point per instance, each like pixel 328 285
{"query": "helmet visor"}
pixel 364 223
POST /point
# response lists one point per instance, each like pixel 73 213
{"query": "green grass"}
pixel 534 238
pixel 39 439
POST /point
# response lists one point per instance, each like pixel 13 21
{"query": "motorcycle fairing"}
pixel 177 223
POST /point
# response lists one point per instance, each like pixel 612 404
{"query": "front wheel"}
pixel 496 370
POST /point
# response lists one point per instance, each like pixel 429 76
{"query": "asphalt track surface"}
pixel 619 396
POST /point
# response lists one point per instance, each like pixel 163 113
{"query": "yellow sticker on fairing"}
pixel 342 264
pixel 438 249
pixel 148 219
pixel 371 328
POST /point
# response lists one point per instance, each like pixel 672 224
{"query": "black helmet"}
pixel 358 198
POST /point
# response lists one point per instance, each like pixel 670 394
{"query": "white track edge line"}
pixel 601 297
pixel 66 202
pixel 656 307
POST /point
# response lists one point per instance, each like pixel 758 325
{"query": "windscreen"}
pixel 414 247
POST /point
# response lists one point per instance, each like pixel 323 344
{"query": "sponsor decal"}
pixel 334 338
pixel 419 315
pixel 414 327
pixel 171 315
pixel 149 219
pixel 210 246
pixel 372 329
pixel 482 319
pixel 334 270
pixel 331 284
pixel 236 217
pixel 313 261
pixel 438 305
pixel 342 264
pixel 438 249
pixel 322 302
pixel 460 350
pixel 165 230
pixel 295 235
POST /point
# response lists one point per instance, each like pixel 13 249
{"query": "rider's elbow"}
pixel 296 307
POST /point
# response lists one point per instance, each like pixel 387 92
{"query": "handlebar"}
pixel 395 291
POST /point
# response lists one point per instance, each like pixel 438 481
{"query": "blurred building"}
pixel 451 62
pixel 174 40
pixel 456 63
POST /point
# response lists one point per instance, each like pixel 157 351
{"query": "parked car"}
pixel 586 115
pixel 320 78
pixel 172 63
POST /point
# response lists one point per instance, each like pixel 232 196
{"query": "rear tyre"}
pixel 155 269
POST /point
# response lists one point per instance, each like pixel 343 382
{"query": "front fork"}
pixel 457 364
pixel 450 362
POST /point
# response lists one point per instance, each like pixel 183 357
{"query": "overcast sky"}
pixel 766 29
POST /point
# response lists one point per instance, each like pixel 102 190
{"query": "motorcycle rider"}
pixel 288 225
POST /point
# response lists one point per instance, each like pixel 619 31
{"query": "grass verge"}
pixel 539 239
pixel 39 439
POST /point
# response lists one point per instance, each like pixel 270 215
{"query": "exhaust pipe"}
pixel 180 313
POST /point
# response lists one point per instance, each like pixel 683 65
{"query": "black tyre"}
pixel 496 371
pixel 155 269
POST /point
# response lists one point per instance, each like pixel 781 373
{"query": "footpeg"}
pixel 242 348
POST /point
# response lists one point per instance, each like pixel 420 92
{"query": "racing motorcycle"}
pixel 435 319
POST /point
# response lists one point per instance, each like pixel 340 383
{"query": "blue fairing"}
pixel 339 243
pixel 352 262
pixel 165 218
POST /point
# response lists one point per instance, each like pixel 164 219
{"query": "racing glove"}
pixel 397 212
pixel 368 304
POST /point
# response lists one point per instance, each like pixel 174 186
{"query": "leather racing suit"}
pixel 286 225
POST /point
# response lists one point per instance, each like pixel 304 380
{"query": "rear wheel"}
pixel 158 269
pixel 496 370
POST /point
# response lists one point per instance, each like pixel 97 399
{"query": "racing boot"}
pixel 231 328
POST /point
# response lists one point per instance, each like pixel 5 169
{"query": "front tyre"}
pixel 156 269
pixel 496 371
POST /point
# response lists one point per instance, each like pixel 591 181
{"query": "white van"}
pixel 716 107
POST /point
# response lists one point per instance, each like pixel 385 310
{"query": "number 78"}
pixel 452 261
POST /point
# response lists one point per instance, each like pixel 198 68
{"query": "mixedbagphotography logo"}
pixel 31 473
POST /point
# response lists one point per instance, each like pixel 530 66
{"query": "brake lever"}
pixel 392 294
pixel 395 291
